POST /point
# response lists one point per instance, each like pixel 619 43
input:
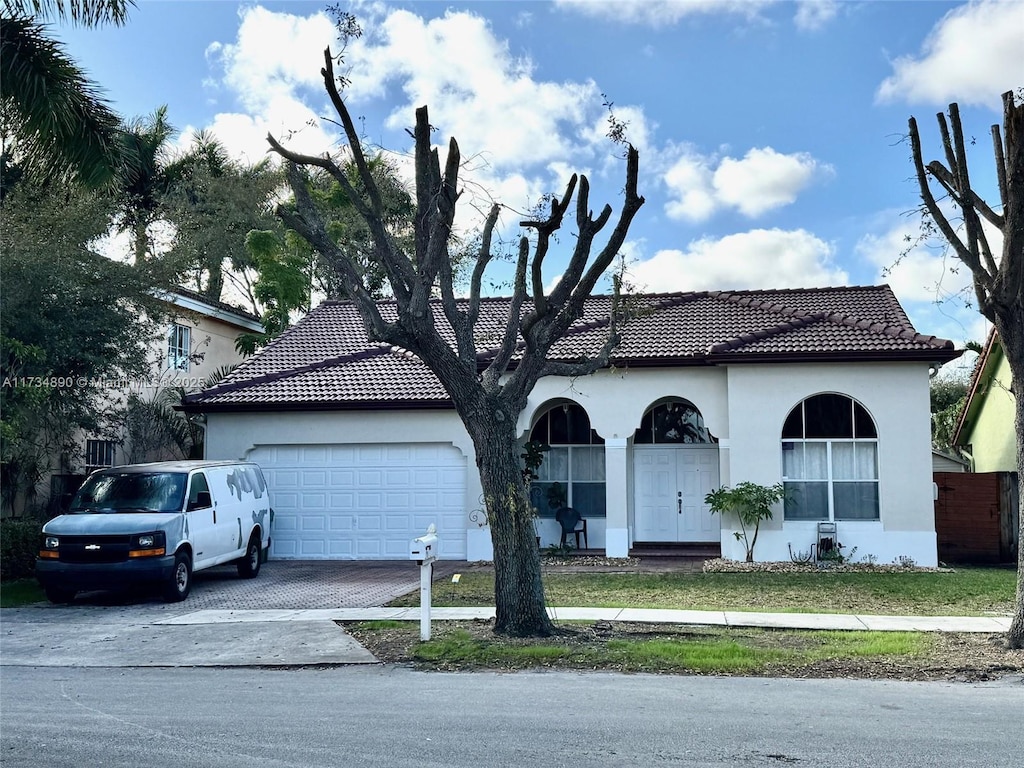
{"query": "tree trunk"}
pixel 518 590
pixel 1011 336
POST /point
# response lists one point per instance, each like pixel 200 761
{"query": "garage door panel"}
pixel 343 478
pixel 284 478
pixel 364 501
pixel 341 523
pixel 370 502
pixel 314 479
pixel 342 500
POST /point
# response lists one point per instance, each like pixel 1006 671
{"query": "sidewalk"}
pixel 644 615
pixel 311 637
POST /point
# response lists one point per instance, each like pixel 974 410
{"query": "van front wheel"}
pixel 249 566
pixel 60 595
pixel 177 587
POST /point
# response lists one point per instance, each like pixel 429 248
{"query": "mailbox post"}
pixel 423 550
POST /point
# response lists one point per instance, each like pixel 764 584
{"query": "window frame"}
pixel 101 450
pixel 542 432
pixel 179 347
pixel 830 482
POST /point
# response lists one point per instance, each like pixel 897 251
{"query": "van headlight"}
pixel 50 550
pixel 148 545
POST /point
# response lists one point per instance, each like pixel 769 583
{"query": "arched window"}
pixel 674 421
pixel 572 473
pixel 830 460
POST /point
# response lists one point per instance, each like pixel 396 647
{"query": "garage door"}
pixel 364 502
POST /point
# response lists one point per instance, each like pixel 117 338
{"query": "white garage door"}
pixel 364 502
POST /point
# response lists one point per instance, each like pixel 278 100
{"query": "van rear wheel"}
pixel 177 587
pixel 249 566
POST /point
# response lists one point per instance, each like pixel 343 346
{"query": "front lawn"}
pixel 963 592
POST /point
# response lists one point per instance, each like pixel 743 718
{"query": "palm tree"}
pixel 55 122
pixel 145 178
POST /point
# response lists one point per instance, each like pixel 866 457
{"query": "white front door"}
pixel 670 485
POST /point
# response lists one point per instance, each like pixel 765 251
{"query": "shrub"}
pixel 19 542
pixel 751 504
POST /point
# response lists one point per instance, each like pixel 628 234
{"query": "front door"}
pixel 670 485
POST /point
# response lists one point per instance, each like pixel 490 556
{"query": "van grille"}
pixel 94 549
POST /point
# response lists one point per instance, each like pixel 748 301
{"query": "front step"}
pixel 703 550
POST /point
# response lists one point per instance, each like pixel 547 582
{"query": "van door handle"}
pixel 679 502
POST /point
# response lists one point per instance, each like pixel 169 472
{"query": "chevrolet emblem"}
pixel 92 547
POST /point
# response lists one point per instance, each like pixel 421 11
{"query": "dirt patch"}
pixel 940 656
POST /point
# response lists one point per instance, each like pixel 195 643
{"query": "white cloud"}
pixel 812 15
pixel 495 105
pixel 657 13
pixel 974 54
pixel 274 62
pixel 690 184
pixel 931 283
pixel 761 181
pixel 760 258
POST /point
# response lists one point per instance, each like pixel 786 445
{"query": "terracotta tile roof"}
pixel 326 360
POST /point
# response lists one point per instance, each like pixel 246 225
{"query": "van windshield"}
pixel 114 492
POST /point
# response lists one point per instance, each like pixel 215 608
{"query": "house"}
pixel 945 461
pixel 197 342
pixel 824 390
pixel 985 429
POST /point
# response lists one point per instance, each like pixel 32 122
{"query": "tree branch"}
pixel 982 280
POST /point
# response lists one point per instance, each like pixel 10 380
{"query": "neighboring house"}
pixel 196 342
pixel 985 430
pixel 824 390
pixel 944 461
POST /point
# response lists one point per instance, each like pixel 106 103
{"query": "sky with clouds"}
pixel 771 133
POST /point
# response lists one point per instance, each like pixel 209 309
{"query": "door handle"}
pixel 679 502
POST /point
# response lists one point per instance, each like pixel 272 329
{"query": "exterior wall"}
pixel 943 463
pixel 743 406
pixel 616 401
pixel 991 437
pixel 235 435
pixel 896 396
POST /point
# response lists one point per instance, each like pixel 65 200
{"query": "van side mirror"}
pixel 202 501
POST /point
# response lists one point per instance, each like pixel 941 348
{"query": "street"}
pixel 388 716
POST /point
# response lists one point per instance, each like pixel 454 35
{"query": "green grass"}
pixel 708 650
pixel 20 592
pixel 966 591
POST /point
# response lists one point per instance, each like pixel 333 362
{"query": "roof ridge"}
pixel 267 378
pixel 904 331
pixel 805 319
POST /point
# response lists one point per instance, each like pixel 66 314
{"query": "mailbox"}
pixel 423 549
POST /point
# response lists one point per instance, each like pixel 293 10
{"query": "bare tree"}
pixel 998 280
pixel 488 385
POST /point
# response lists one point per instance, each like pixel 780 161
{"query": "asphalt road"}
pixel 388 716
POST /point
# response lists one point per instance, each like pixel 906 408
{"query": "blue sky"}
pixel 770 132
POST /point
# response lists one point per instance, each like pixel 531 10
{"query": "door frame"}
pixel 676 449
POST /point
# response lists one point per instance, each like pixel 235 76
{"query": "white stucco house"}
pixel 824 390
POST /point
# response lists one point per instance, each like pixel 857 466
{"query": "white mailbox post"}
pixel 423 549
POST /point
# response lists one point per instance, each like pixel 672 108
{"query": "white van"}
pixel 157 524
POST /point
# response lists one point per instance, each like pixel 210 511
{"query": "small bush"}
pixel 19 542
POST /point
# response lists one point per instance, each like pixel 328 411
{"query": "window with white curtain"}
pixel 572 473
pixel 830 460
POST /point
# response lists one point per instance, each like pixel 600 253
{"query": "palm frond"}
pixel 64 128
pixel 86 13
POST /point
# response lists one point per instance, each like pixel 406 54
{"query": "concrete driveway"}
pixel 283 584
pixel 138 630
